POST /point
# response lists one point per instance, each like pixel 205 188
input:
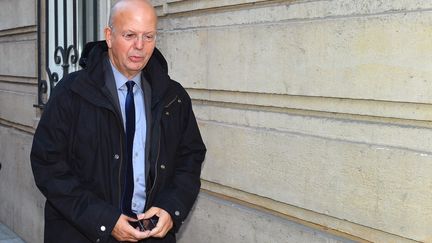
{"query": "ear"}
pixel 108 36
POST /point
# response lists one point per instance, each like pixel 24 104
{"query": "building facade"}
pixel 316 114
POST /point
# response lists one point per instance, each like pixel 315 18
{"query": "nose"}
pixel 139 43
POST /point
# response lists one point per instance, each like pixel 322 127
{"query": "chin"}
pixel 136 67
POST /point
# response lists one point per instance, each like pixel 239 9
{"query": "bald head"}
pixel 124 5
pixel 131 35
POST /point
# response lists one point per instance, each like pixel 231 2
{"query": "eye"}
pixel 129 36
pixel 150 37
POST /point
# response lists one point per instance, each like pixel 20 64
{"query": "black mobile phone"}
pixel 148 224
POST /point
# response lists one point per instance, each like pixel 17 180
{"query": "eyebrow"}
pixel 145 32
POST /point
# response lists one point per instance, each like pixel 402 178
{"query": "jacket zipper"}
pixel 121 160
pixel 120 170
pixel 156 171
pixel 157 157
pixel 172 101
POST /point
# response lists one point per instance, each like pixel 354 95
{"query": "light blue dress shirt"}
pixel 138 159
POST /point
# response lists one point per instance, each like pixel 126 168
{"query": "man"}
pixel 118 143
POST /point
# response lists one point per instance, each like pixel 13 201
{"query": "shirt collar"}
pixel 120 79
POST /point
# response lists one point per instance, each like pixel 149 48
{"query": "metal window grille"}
pixel 64 26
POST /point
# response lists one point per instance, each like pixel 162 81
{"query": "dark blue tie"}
pixel 130 132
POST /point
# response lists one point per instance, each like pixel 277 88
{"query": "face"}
pixel 129 38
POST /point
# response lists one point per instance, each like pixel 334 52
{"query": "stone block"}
pixel 368 184
pixel 416 137
pixel 215 220
pixel 17 13
pixel 22 208
pixel 222 13
pixel 377 57
pixel 18 58
pixel 18 107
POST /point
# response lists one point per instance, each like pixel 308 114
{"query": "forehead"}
pixel 137 18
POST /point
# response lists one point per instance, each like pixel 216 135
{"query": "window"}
pixel 64 27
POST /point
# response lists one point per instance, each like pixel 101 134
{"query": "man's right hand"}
pixel 123 231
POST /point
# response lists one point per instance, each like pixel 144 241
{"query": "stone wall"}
pixel 314 112
pixel 21 204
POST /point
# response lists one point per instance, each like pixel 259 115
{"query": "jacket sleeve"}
pixel 178 197
pixel 52 168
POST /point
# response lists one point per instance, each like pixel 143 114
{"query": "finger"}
pixel 156 231
pixel 130 219
pixel 161 233
pixel 161 228
pixel 119 231
pixel 167 227
pixel 165 223
pixel 151 212
pixel 140 216
pixel 128 232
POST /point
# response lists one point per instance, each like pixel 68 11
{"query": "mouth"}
pixel 136 58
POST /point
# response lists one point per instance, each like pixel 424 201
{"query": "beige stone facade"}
pixel 316 114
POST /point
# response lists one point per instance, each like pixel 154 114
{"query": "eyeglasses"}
pixel 132 36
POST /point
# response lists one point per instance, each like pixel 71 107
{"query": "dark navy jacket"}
pixel 78 149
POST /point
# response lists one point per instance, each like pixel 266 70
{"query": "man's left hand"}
pixel 163 225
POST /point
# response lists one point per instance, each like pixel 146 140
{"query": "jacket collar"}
pixel 155 72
